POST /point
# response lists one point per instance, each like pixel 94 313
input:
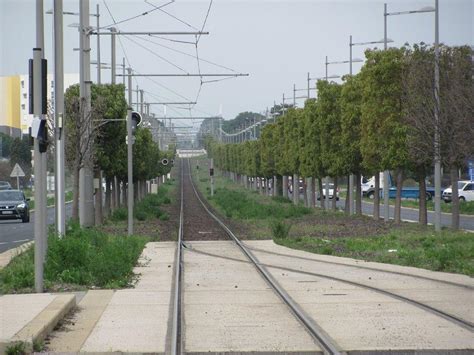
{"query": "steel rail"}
pixel 446 282
pixel 327 344
pixel 176 342
pixel 452 318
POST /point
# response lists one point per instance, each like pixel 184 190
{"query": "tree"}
pixel 351 156
pixel 383 142
pixel 311 163
pixel 329 127
pixel 81 131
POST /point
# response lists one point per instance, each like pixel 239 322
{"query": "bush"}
pixel 120 214
pixel 85 257
pixel 280 229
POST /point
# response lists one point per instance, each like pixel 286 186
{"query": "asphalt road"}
pixel 14 233
pixel 465 222
pixel 408 214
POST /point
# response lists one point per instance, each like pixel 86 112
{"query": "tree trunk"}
pixel 334 197
pixel 284 187
pixel 377 197
pixel 322 204
pixel 98 199
pixel 398 199
pixel 454 198
pixel 75 194
pixel 278 185
pixel 358 197
pixel 116 193
pixel 422 213
pixel 296 189
pixel 313 192
pixel 348 196
pixel 108 195
pixel 124 194
pixel 305 192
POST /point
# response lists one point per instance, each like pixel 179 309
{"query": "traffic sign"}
pixel 17 171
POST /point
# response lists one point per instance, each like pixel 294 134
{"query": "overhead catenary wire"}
pixel 135 16
pixel 156 54
pixel 186 54
pixel 172 16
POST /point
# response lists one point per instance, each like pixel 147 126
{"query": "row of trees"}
pixel 96 135
pixel 380 119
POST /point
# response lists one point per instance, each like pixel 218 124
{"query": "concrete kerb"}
pixel 8 255
pixel 40 326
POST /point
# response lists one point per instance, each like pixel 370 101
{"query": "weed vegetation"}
pixel 334 233
pixel 412 246
pixel 148 207
pixel 85 258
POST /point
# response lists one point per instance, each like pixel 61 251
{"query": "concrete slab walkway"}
pixel 359 319
pixel 130 320
pixel 229 308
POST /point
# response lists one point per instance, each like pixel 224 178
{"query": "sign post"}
pixel 17 172
pixel 470 165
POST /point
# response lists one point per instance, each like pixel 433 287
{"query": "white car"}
pixel 331 192
pixel 465 190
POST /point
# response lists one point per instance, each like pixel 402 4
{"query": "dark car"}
pixel 5 185
pixel 14 205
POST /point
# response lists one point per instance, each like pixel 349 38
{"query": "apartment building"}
pixel 15 119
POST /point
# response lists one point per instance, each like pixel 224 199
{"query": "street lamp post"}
pixel 437 153
pixel 385 40
pixel 351 179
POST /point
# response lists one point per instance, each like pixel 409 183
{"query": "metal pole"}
pixel 130 155
pixel 385 26
pixel 58 116
pixel 326 68
pixel 386 173
pixel 39 232
pixel 437 158
pixel 86 178
pixel 141 103
pixel 308 84
pixel 294 95
pixel 350 55
pixel 98 48
pixel 123 71
pixel 350 188
pixel 138 99
pixel 113 64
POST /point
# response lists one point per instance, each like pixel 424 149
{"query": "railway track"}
pixel 220 231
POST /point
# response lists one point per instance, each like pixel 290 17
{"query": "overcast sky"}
pixel 276 42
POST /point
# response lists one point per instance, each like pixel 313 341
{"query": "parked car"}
pixel 331 192
pixel 300 185
pixel 5 185
pixel 465 190
pixel 14 205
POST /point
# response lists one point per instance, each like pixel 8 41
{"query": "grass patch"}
pixel 414 246
pixel 243 205
pixel 334 233
pixel 84 258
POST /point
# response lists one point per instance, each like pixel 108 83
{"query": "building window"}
pixel 52 83
pixel 22 106
pixel 25 95
pixel 22 84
